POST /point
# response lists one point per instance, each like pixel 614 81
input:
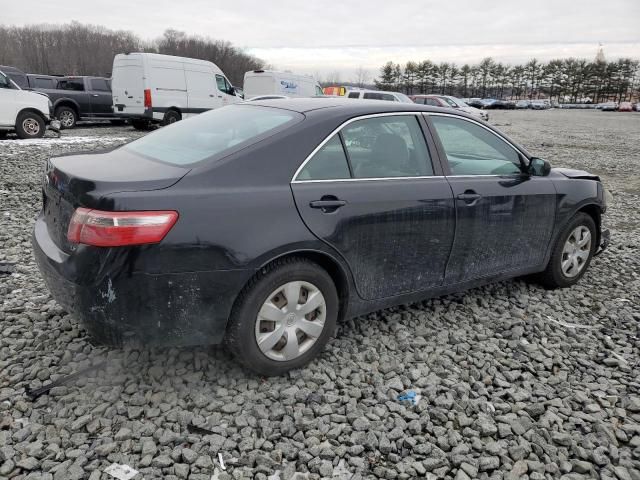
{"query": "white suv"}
pixel 26 113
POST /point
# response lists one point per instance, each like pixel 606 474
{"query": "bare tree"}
pixel 362 76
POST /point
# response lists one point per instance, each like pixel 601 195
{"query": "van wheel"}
pixel 141 124
pixel 67 117
pixel 118 123
pixel 3 134
pixel 170 117
pixel 284 317
pixel 30 125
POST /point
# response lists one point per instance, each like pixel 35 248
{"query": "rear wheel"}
pixel 141 124
pixel 67 116
pixel 118 123
pixel 572 253
pixel 3 134
pixel 30 125
pixel 284 317
pixel 172 116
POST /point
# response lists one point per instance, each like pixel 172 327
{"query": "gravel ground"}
pixel 514 381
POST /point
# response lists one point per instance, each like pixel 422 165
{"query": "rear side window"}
pixel 76 84
pixel 329 163
pixel 100 84
pixel 390 146
pixel 42 83
pixel 214 134
pixel 354 95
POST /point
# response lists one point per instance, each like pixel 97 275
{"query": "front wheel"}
pixel 142 125
pixel 172 116
pixel 572 253
pixel 283 317
pixel 30 125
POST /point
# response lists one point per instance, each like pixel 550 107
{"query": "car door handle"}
pixel 469 197
pixel 327 203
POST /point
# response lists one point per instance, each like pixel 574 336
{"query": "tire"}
pixel 30 125
pixel 67 116
pixel 554 276
pixel 118 123
pixel 245 326
pixel 171 116
pixel 141 124
pixel 3 134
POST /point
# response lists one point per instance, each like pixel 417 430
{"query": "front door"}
pixel 505 217
pixel 372 193
pixel 8 107
pixel 201 90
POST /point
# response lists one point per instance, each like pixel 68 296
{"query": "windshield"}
pixel 214 134
pixel 455 102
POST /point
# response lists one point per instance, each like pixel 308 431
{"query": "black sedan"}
pixel 263 224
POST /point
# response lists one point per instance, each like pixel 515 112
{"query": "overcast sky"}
pixel 328 36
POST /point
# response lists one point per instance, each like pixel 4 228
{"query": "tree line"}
pixel 78 49
pixel 568 80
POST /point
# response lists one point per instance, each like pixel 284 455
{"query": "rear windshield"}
pixel 213 134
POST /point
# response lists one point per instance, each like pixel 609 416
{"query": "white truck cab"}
pixel 26 113
pixel 262 83
pixel 151 88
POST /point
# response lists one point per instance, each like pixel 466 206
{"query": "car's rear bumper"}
pixel 118 306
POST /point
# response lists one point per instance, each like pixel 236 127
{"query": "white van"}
pixel 151 88
pixel 25 113
pixel 364 94
pixel 269 82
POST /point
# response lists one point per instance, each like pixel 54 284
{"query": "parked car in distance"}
pixel 16 75
pixel 608 106
pixel 522 104
pixel 625 107
pixel 44 82
pixel 474 102
pixel 149 88
pixel 78 98
pixel 271 82
pixel 364 94
pixel 23 112
pixel 540 105
pixel 447 101
pixel 369 214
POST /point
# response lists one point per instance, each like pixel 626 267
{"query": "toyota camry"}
pixel 260 225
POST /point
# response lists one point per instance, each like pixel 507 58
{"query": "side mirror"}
pixel 539 167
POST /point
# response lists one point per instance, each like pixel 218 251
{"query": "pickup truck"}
pixel 77 98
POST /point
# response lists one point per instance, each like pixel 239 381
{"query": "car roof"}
pixel 340 105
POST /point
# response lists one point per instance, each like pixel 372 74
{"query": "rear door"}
pixel 372 192
pixel 100 97
pixel 8 107
pixel 505 217
pixel 128 84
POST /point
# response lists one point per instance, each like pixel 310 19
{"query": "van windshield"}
pixel 213 135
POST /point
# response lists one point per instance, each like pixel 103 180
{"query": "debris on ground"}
pixel 121 472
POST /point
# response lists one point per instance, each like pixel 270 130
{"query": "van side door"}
pixel 202 94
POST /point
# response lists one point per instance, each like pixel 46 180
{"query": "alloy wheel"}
pixel 576 251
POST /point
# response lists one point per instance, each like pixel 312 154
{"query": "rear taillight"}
pixel 147 98
pixel 118 229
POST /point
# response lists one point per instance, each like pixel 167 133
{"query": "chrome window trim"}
pixel 340 127
pixel 422 177
pixel 470 120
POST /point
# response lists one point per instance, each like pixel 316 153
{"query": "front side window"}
pixel 390 146
pixel 213 135
pixel 319 91
pixel 329 163
pixel 4 82
pixel 223 84
pixel 354 95
pixel 473 150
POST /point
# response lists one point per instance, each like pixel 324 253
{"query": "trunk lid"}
pixel 84 180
